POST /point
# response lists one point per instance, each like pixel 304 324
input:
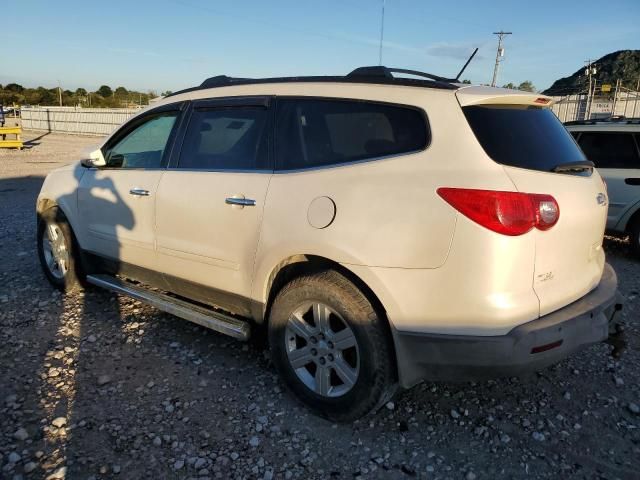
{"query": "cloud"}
pixel 452 50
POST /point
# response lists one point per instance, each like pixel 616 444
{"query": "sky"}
pixel 172 44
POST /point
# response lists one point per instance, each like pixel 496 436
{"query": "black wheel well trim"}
pixel 304 264
pixel 633 220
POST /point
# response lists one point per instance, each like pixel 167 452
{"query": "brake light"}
pixel 507 213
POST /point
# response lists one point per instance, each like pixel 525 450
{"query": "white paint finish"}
pixel 201 238
pixel 477 95
pixel 112 221
pixel 434 270
pixel 484 288
pixel 569 257
pixel 321 212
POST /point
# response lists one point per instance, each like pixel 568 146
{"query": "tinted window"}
pixel 144 146
pixel 610 150
pixel 313 132
pixel 226 139
pixel 525 137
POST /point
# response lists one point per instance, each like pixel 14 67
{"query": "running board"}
pixel 180 308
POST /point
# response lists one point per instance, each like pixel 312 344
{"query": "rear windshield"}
pixel 523 136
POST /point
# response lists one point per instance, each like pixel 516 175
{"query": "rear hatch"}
pixel 521 133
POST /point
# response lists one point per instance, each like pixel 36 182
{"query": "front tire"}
pixel 331 347
pixel 58 252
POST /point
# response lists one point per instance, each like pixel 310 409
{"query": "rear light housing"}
pixel 507 213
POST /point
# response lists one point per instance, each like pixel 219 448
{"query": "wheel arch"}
pixel 304 264
pixel 44 203
pixel 633 217
pixel 626 220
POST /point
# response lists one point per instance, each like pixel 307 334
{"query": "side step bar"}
pixel 180 308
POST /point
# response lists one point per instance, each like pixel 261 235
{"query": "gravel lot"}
pixel 99 386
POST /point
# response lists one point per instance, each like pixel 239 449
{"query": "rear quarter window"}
pixel 523 136
pixel 323 132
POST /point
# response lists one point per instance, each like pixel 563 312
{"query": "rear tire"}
pixel 330 346
pixel 58 251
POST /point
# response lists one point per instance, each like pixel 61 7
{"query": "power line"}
pixel 499 55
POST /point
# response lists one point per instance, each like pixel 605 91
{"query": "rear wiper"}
pixel 579 166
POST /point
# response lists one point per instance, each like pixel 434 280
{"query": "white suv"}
pixel 613 145
pixel 383 230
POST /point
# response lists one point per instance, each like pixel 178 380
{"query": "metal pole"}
pixel 635 104
pixel 381 34
pixel 499 53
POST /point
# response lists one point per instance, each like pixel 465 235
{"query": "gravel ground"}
pixel 99 386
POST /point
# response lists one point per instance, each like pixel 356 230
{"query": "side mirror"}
pixel 96 159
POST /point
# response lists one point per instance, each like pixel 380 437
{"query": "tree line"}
pixel 103 97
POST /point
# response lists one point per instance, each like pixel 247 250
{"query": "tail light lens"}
pixel 508 213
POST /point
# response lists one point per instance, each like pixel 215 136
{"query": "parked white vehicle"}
pixel 383 230
pixel 613 145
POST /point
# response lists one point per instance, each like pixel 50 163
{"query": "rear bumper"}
pixel 528 347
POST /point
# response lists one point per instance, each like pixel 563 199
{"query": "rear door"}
pixel 210 202
pixel 617 158
pixel 535 150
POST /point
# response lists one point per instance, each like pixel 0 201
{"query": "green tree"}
pixel 14 87
pixel 509 85
pixel 81 92
pixel 466 81
pixel 166 93
pixel 527 86
pixel 105 91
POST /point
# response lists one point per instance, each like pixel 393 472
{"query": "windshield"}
pixel 523 136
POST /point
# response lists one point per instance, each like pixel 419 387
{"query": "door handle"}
pixel 141 192
pixel 244 202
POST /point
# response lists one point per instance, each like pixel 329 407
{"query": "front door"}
pixel 210 202
pixel 116 203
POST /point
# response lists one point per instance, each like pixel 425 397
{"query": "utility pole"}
pixel 589 72
pixel 499 55
pixel 60 92
pixel 381 34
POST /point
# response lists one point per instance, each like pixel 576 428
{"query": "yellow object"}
pixel 606 87
pixel 13 143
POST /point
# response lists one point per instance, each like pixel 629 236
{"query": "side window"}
pixel 318 132
pixel 610 150
pixel 144 146
pixel 226 139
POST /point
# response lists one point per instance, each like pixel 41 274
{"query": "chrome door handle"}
pixel 141 192
pixel 245 202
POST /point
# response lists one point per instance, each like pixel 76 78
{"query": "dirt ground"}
pixel 98 386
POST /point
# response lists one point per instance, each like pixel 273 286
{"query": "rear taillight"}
pixel 508 213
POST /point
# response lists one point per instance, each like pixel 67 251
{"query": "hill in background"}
pixel 622 65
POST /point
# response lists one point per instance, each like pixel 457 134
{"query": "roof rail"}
pixel 376 75
pixel 619 119
pixel 386 72
pixel 219 81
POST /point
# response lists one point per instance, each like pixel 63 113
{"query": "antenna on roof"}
pixel 465 65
